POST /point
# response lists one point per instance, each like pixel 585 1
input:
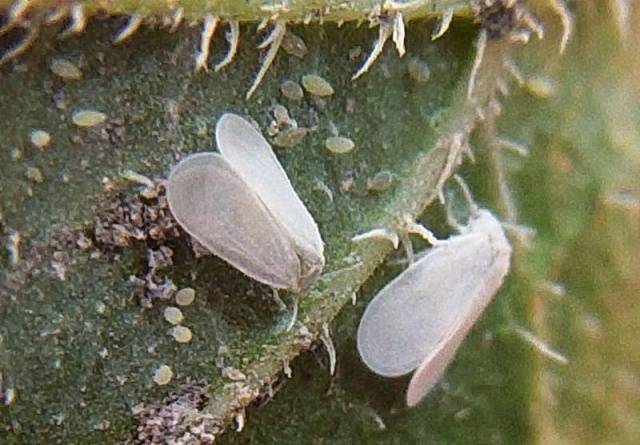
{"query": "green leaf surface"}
pixel 83 340
pixel 78 351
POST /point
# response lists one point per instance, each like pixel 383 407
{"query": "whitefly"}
pixel 418 321
pixel 240 204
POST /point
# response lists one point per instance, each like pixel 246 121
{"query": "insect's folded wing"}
pixel 252 157
pixel 214 205
pixel 410 317
pixel 435 364
pixel 492 254
pixel 433 367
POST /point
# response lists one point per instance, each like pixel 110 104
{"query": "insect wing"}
pixel 433 367
pixel 436 363
pixel 251 156
pixel 409 318
pixel 214 205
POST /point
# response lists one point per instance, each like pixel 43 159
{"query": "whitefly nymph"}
pixel 240 204
pixel 418 321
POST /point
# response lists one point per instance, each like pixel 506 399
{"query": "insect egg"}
pixel 316 85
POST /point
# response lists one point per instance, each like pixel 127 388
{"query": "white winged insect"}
pixel 418 321
pixel 240 204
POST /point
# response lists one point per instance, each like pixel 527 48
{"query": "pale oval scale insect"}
pixel 418 321
pixel 240 205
